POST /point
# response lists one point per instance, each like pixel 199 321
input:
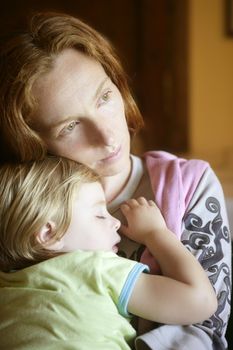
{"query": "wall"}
pixel 210 84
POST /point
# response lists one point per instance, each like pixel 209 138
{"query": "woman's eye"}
pixel 105 97
pixel 69 127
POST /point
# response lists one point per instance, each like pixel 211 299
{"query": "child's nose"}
pixel 117 223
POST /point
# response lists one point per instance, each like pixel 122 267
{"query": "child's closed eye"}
pixel 101 217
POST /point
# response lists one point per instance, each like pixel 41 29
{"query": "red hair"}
pixel 26 56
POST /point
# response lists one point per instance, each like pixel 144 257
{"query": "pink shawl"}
pixel 174 181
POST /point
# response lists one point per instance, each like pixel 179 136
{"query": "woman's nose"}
pixel 107 137
pixel 103 134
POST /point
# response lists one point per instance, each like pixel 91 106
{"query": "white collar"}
pixel 128 191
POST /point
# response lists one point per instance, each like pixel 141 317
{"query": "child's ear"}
pixel 45 234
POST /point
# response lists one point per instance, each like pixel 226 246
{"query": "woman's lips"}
pixel 113 155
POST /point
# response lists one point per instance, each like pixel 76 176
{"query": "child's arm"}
pixel 183 295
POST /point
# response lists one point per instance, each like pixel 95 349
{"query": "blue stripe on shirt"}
pixel 128 288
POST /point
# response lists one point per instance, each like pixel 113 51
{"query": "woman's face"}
pixel 81 115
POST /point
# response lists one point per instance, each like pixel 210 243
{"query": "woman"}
pixel 64 92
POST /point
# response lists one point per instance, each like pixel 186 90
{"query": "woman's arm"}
pixel 183 295
pixel 207 235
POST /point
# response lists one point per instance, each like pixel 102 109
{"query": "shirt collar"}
pixel 128 191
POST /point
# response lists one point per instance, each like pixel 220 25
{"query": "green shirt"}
pixel 74 301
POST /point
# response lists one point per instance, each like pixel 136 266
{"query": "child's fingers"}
pixel 130 204
pixel 125 207
pixel 142 201
pixel 133 203
pixel 124 230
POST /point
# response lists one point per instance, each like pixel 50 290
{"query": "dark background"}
pixel 151 39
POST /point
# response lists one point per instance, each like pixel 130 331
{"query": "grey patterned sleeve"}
pixel 205 232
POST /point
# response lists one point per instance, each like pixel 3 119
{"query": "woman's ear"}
pixel 44 237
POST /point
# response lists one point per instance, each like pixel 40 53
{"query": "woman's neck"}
pixel 113 185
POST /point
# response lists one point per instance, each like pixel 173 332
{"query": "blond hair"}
pixel 27 56
pixel 32 194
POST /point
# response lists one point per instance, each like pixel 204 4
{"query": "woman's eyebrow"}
pixel 61 122
pixel 100 87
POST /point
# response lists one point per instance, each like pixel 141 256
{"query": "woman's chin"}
pixel 113 169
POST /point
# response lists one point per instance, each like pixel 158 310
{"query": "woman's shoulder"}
pixel 170 157
pixel 165 162
pixel 172 176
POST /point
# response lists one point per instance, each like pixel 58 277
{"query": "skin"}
pixel 176 297
pixel 81 116
pixel 93 228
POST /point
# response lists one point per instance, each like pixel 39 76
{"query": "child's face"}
pixel 91 227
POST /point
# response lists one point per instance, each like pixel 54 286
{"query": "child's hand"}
pixel 143 218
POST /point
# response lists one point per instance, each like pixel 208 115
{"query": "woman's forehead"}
pixel 75 80
pixel 70 66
